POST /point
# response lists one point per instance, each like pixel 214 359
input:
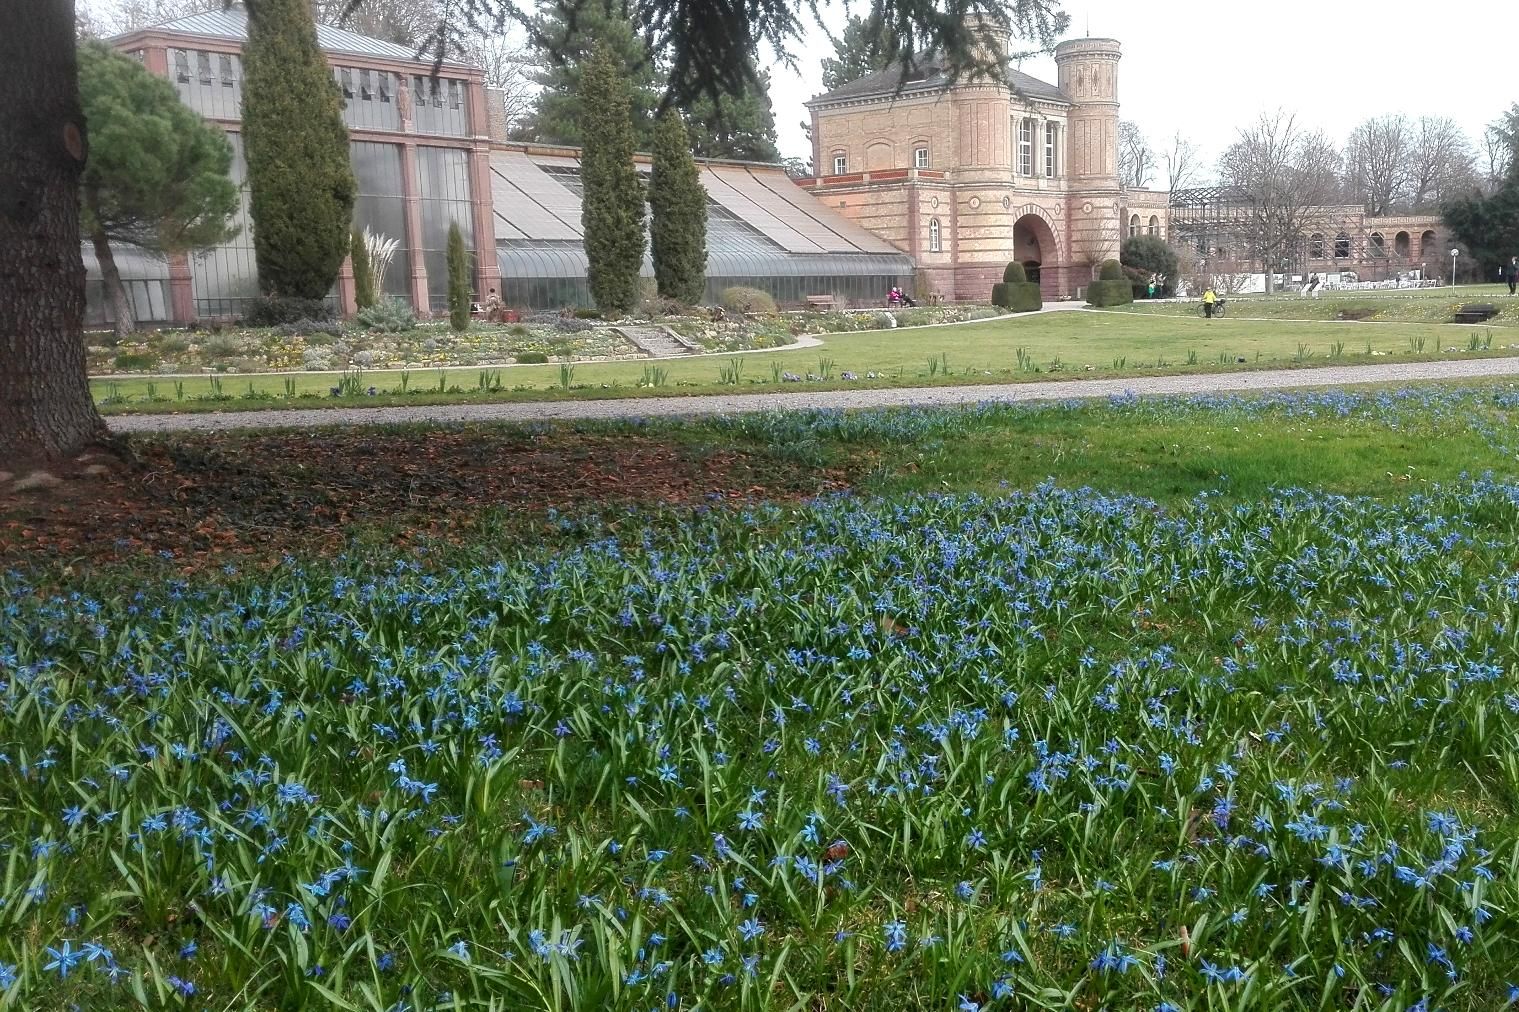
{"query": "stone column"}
pixel 348 295
pixel 487 271
pixel 181 289
pixel 420 299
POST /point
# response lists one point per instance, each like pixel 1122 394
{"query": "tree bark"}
pixel 46 411
pixel 124 316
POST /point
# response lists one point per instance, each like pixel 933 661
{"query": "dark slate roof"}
pixel 232 23
pixel 930 76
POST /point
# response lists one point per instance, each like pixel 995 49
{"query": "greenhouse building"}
pixel 763 231
pixel 429 151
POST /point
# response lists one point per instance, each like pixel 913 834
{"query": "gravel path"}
pixel 646 407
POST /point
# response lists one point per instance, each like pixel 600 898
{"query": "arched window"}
pixel 1133 224
pixel 1155 224
pixel 1342 247
pixel 1378 245
pixel 933 235
pixel 1316 246
pixel 840 164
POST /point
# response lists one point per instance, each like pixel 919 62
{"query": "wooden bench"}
pixel 1476 312
pixel 820 302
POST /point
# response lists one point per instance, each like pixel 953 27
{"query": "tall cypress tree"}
pixel 363 272
pixel 458 280
pixel 679 205
pixel 613 202
pixel 302 185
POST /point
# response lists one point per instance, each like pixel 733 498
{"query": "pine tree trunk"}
pixel 125 321
pixel 45 407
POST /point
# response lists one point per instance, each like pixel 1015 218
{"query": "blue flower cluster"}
pixel 941 752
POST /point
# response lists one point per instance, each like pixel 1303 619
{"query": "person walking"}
pixel 1210 299
pixel 1512 273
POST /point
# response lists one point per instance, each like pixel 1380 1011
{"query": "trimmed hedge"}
pixel 1014 274
pixel 1110 292
pixel 1019 296
pixel 273 310
pixel 1112 270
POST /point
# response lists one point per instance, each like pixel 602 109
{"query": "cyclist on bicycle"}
pixel 1210 299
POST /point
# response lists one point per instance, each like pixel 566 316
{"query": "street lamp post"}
pixel 1453 254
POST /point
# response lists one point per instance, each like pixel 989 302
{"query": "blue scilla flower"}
pixel 895 933
pixel 751 929
pixel 64 958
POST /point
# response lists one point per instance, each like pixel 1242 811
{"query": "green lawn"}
pixel 1425 305
pixel 1055 345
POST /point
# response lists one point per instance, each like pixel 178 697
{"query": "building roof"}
pixel 232 23
pixel 931 75
pixel 759 223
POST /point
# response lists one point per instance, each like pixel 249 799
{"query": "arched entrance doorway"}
pixel 1033 244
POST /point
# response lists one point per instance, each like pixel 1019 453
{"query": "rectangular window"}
pixel 384 77
pixel 840 165
pixel 366 86
pixel 455 95
pixel 224 64
pixel 346 77
pixel 203 67
pixel 437 92
pixel 920 158
pixel 1025 147
pixel 181 66
pixel 1049 150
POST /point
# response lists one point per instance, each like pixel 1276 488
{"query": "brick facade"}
pixel 967 176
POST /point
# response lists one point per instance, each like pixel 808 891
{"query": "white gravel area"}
pixel 714 404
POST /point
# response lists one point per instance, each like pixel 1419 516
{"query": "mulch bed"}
pixel 218 498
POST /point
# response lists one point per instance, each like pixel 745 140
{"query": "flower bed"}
pixel 333 347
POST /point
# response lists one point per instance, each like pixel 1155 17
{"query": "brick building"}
pixel 965 177
pixel 429 153
pixel 420 149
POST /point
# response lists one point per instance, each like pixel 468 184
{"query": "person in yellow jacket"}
pixel 1210 299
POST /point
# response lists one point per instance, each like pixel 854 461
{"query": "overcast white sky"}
pixel 1206 67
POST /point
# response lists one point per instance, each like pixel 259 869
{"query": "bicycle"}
pixel 1218 308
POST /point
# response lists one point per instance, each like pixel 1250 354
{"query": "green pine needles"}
pixel 679 205
pixel 301 182
pixel 613 203
pixel 458 280
pixel 363 272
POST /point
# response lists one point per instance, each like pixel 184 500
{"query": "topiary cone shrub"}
pixel 1016 291
pixel 1112 270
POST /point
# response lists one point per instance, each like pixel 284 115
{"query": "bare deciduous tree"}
pixel 1379 162
pixel 507 63
pixel 1441 162
pixel 1136 162
pixel 1497 154
pixel 105 18
pixel 1287 178
pixel 1181 163
pixel 405 22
